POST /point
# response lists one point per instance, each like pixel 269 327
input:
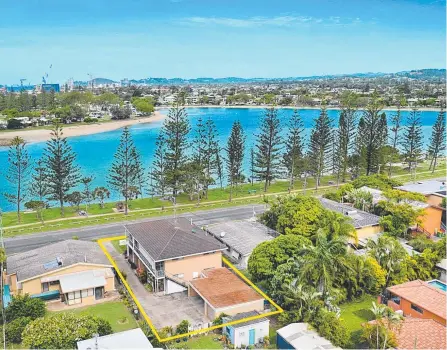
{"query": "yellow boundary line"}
pixel 148 320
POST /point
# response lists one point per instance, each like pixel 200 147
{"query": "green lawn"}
pixel 200 342
pixel 116 313
pixel 354 314
pixel 119 248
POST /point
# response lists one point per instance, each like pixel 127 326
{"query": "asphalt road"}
pixel 27 242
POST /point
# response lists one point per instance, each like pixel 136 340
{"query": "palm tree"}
pixel 379 311
pixel 384 318
pixel 304 299
pixel 389 254
pixel 323 260
pixel 336 225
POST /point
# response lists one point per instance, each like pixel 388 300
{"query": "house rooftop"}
pixel 222 288
pixel 300 336
pixel 419 333
pixel 243 235
pixel 377 196
pixel 173 238
pixel 423 295
pixel 425 187
pixel 53 257
pixel 359 218
pixel 131 339
pixel 247 314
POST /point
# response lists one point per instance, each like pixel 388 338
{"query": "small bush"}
pixel 25 306
pixel 15 328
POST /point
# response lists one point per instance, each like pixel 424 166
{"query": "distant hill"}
pixel 426 74
pixel 422 74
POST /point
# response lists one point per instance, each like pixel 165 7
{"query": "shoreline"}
pixel 420 109
pixel 42 135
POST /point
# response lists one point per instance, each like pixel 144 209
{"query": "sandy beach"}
pixel 40 135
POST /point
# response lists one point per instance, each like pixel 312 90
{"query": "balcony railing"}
pixel 156 273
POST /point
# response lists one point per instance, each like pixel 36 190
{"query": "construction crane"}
pixel 91 79
pixel 21 84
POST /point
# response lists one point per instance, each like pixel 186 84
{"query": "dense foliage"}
pixel 24 306
pixel 63 330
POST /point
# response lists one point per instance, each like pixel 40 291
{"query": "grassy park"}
pixel 244 194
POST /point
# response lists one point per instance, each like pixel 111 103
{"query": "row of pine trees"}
pixel 191 161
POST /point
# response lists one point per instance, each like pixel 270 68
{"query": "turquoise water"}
pixel 438 284
pixel 95 152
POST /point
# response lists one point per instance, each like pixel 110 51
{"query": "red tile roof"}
pixel 222 288
pixel 418 333
pixel 423 295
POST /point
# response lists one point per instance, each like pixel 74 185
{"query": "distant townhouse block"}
pixel 247 333
pixel 366 224
pixel 419 299
pixel 172 251
pixel 241 237
pixel 76 272
pixel 224 292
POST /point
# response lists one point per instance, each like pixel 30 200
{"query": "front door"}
pixel 251 337
pixel 99 293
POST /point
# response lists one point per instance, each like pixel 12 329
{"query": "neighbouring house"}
pixel 435 215
pixel 430 222
pixel 417 333
pixel 301 336
pixel 76 272
pixel 131 339
pixel 419 299
pixel 223 292
pixel 241 237
pixel 246 333
pixel 366 224
pixel 172 251
pixel 442 267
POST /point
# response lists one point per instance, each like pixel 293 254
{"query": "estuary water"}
pixel 95 152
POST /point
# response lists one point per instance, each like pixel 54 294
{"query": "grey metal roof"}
pixel 44 259
pixel 173 238
pixel 242 315
pixel 300 336
pixel 131 339
pixel 243 235
pixel 359 218
pixel 424 187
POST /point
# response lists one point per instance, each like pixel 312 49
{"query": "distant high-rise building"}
pixel 125 82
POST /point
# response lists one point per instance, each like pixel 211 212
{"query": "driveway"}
pixel 163 310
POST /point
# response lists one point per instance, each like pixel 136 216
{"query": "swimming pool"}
pixel 438 284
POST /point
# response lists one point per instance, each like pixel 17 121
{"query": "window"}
pixel 241 334
pixel 45 287
pixel 74 298
pixel 195 275
pixel 417 308
pixel 84 293
pixel 179 275
pixel 54 283
pixel 395 299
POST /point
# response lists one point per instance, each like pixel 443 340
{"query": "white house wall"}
pixel 241 334
pixel 172 287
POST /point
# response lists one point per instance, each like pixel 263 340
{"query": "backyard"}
pixel 209 341
pixel 354 314
pixel 116 313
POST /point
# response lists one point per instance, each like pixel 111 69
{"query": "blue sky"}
pixel 217 38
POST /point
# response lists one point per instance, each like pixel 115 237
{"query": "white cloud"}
pixel 277 21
